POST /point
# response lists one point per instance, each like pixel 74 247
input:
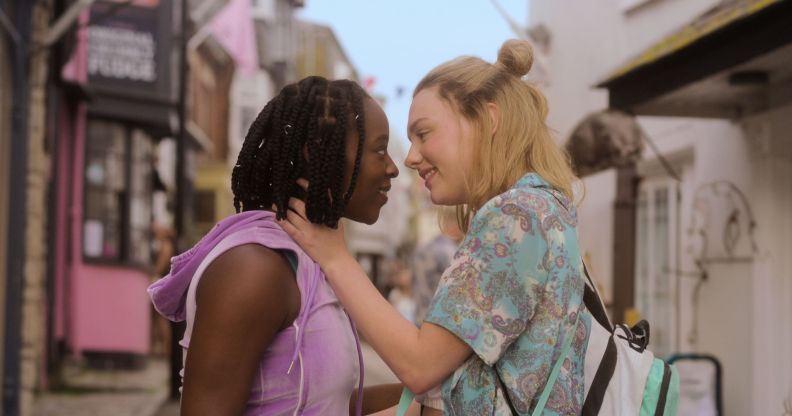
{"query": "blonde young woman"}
pixel 513 295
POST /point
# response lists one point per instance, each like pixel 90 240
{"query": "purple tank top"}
pixel 311 367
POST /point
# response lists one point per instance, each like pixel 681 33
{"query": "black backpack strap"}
pixel 661 400
pixel 599 385
pixel 593 302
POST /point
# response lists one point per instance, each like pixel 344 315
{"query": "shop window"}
pixel 118 193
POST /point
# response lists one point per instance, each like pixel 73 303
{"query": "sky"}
pixel 398 41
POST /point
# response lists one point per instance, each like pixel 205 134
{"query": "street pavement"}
pixel 143 392
pixel 90 392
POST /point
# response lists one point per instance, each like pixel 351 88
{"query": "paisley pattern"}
pixel 512 293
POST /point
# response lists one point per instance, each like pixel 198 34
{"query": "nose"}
pixel 392 170
pixel 413 158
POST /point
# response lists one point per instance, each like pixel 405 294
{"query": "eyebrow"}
pixel 412 127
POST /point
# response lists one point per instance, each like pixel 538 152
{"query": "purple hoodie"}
pixel 321 345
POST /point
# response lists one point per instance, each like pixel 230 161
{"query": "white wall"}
pixel 771 189
pixel 590 39
pixel 250 93
pixel 595 228
pixel 264 9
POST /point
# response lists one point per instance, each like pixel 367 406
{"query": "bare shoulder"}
pixel 250 280
pixel 245 297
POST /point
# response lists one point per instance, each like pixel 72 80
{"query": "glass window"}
pixel 655 264
pixel 105 179
pixel 118 192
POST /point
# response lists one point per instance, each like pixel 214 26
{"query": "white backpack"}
pixel 622 377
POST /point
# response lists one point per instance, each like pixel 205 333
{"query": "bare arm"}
pixel 246 296
pixel 377 398
pixel 421 359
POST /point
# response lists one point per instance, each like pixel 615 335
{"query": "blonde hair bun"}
pixel 516 57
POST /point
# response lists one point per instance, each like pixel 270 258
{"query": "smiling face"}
pixel 376 166
pixel 440 147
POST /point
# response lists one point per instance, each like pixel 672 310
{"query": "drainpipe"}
pixel 177 329
pixel 17 204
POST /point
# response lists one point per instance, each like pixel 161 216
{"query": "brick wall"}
pixel 34 295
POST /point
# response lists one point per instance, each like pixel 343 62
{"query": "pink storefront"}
pixel 117 104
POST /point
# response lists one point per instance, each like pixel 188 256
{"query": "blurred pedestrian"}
pixel 401 293
pixel 265 333
pixel 509 310
pixel 163 248
pixel 431 259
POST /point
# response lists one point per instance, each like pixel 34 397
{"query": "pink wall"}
pixel 110 309
pixel 97 307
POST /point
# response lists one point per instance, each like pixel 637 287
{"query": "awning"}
pixel 733 60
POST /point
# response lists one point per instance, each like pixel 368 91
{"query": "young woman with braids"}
pixel 265 333
pixel 508 316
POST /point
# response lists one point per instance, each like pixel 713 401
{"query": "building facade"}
pixel 691 236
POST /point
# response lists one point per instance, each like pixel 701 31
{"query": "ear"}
pixel 494 113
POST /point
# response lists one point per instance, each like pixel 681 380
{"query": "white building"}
pixel 705 257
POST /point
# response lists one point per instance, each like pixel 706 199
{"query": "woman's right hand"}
pixel 322 243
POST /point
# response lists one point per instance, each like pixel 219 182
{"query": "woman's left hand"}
pixel 323 244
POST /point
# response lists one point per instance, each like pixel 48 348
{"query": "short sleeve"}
pixel 490 292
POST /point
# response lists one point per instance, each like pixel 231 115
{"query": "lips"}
pixel 425 172
pixel 384 190
pixel 427 175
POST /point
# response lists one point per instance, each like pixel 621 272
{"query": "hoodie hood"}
pixel 169 294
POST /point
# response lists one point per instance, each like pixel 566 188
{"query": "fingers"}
pixel 288 227
pixel 297 206
pixel 291 223
pixel 302 183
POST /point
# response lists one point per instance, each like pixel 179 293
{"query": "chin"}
pixel 368 219
pixel 445 200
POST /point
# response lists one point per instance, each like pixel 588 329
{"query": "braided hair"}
pixel 311 116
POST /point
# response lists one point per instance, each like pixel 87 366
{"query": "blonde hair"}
pixel 448 223
pixel 521 143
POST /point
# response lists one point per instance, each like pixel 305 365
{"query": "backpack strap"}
pixel 593 301
pixel 607 367
pixel 599 384
pixel 404 402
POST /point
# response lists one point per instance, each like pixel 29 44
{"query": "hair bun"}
pixel 516 57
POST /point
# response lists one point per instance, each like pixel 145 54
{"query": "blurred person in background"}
pixel 431 259
pixel 265 333
pixel 401 295
pixel 163 248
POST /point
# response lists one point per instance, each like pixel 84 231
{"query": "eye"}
pixel 382 152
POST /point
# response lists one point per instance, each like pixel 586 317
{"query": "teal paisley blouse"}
pixel 513 293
